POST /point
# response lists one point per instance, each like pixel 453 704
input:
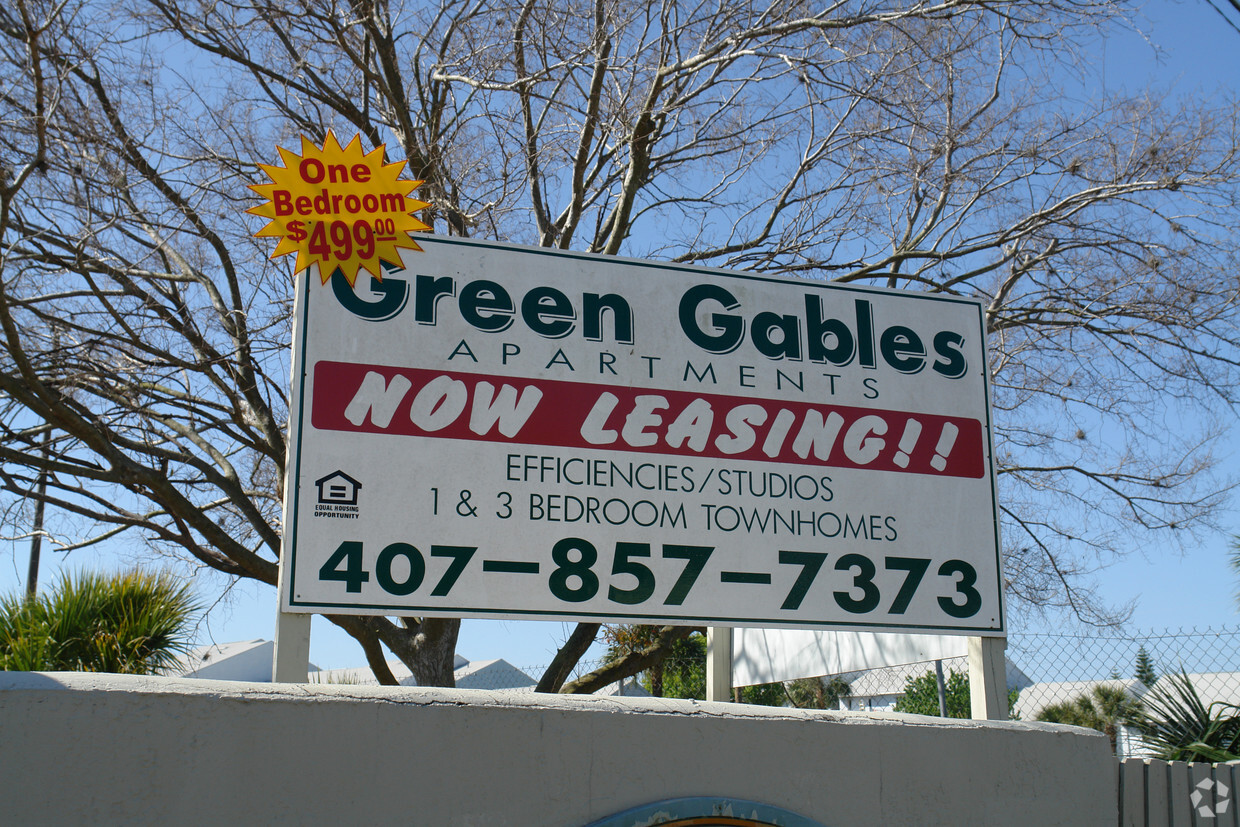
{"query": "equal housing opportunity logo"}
pixel 337 496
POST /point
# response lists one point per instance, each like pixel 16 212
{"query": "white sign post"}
pixel 515 432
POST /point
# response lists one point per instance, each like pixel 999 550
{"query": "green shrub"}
pixel 135 623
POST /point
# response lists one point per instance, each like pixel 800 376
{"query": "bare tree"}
pixel 931 146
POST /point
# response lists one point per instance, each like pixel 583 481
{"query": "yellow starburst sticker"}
pixel 338 208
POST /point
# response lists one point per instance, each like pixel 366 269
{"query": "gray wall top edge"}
pixel 15 682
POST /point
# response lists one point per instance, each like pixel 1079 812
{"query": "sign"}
pixel 515 432
pixel 338 208
pixel 770 655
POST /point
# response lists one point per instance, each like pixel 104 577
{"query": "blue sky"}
pixel 1190 48
pixel 1197 51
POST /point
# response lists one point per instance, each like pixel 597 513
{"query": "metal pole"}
pixel 718 663
pixel 938 675
pixel 36 540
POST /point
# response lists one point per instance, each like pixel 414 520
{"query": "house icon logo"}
pixel 338 487
pixel 337 494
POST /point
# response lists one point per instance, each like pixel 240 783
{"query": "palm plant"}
pixel 1179 726
pixel 1104 708
pixel 134 623
pixel 817 693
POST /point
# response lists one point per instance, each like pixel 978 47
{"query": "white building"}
pixel 878 690
pixel 251 660
pixel 241 660
pixel 1213 688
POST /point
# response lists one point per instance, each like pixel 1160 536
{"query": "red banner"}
pixel 405 401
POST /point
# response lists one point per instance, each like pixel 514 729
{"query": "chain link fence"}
pixel 1044 670
pixel 1102 653
pixel 1100 678
pixel 1210 657
pixel 1104 678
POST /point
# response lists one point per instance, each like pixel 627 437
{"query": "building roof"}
pixel 251 660
pixel 890 680
pixel 481 674
pixel 1212 687
pixel 492 674
pixel 241 660
pixel 628 688
pixel 362 676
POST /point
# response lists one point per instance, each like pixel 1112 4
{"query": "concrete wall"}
pixel 80 748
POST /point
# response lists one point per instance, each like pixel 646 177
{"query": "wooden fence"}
pixel 1155 793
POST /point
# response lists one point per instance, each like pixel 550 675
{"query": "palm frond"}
pixel 134 622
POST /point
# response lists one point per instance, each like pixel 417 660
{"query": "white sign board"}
pixel 516 432
pixel 769 655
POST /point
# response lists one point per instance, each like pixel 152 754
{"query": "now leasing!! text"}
pixel 412 402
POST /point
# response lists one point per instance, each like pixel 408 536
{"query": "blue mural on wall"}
pixel 706 811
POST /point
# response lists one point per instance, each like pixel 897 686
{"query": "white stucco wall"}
pixel 79 748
